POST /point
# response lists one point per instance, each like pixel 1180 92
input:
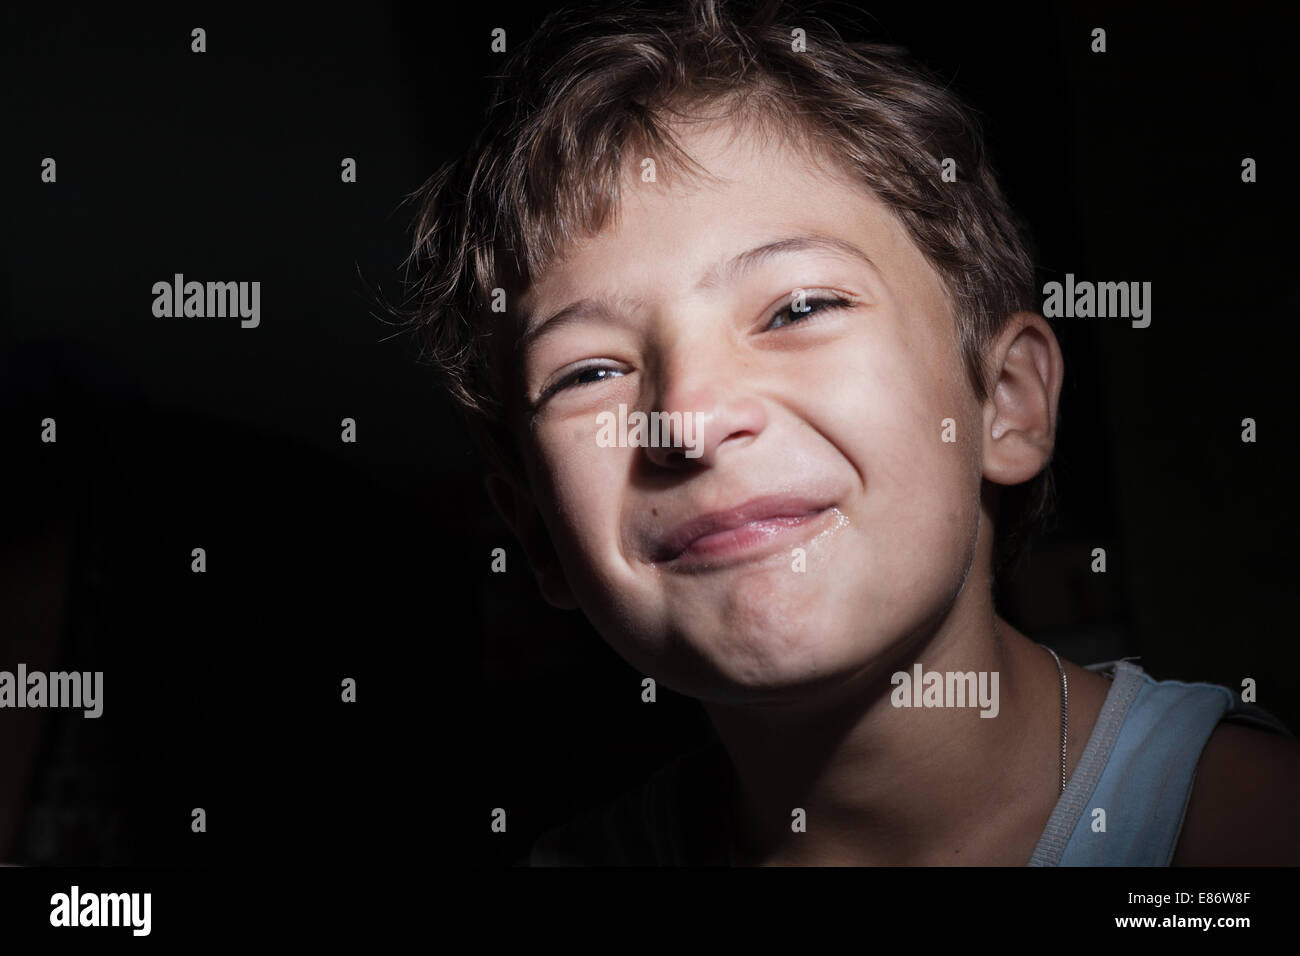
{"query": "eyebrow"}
pixel 730 269
pixel 737 265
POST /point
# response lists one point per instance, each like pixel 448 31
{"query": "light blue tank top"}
pixel 1138 769
pixel 1138 766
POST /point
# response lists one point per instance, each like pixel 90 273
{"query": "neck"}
pixel 881 784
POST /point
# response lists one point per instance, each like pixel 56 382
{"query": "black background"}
pixel 371 560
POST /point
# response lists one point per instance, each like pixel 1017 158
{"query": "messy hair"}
pixel 592 90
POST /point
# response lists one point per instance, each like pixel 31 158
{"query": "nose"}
pixel 706 407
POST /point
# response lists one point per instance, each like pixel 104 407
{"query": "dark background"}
pixel 371 560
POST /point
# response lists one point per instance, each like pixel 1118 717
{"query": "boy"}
pixel 747 231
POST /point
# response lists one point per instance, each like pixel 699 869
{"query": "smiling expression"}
pixel 824 519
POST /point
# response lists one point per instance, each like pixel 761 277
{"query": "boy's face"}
pixel 822 431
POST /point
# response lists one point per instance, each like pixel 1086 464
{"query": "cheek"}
pixel 893 405
pixel 584 482
pixel 911 428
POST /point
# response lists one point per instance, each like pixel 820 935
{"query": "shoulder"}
pixel 655 823
pixel 580 841
pixel 1244 808
pixel 626 830
pixel 616 832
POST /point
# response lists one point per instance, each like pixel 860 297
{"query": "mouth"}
pixel 752 530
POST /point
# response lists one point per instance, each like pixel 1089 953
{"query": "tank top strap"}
pixel 1125 803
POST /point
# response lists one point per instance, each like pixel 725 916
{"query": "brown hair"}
pixel 591 91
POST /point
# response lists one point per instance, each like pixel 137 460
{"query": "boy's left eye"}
pixel 804 306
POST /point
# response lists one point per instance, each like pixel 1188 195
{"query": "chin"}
pixel 747 658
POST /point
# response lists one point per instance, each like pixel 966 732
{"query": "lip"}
pixel 750 530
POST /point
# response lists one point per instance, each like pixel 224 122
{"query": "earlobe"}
pixel 520 514
pixel 1020 412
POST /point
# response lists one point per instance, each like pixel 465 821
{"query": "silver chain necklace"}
pixel 1065 709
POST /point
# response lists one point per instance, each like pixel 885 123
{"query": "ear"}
pixel 517 509
pixel 1020 412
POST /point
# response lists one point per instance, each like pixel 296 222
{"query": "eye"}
pixel 813 304
pixel 583 376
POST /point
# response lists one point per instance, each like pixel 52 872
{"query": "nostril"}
pixel 668 457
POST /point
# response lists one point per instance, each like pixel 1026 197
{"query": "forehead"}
pixel 669 232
